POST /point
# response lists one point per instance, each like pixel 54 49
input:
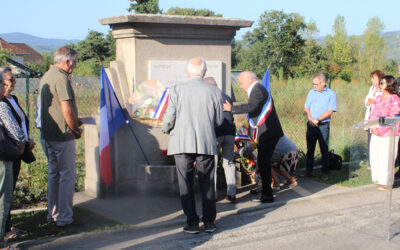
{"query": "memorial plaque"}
pixel 171 72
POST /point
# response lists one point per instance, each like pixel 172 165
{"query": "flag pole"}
pixel 137 140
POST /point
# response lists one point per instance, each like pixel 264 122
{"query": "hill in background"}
pixel 42 45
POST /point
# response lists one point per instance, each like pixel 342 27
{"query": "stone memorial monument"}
pixel 151 54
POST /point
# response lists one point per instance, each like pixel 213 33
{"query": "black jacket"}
pixel 258 97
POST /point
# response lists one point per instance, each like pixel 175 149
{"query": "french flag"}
pixel 112 118
pixel 162 105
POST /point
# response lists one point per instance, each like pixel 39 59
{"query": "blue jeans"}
pixel 320 134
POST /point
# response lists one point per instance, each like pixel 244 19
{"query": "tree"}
pixel 191 12
pixel 374 44
pixel 144 6
pixel 274 43
pixel 339 49
pixel 94 46
pixel 4 53
pixel 44 66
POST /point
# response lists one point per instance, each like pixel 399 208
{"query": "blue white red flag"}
pixel 162 105
pixel 266 111
pixel 239 137
pixel 111 119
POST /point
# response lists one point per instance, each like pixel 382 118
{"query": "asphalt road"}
pixel 343 221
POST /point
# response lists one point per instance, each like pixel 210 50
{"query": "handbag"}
pixel 335 161
pixel 9 151
pixel 27 156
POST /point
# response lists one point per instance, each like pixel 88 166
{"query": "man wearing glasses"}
pixel 319 106
pixel 60 127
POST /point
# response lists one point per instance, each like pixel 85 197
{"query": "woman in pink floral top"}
pixel 385 105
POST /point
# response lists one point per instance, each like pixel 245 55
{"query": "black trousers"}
pixel 265 150
pixel 205 171
pixel 320 134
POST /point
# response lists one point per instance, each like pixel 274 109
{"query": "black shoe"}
pixel 209 227
pixel 253 191
pixel 191 229
pixel 264 199
pixel 230 198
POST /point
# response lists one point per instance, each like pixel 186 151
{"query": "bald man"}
pixel 194 110
pixel 268 133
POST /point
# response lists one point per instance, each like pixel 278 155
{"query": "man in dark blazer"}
pixel 194 110
pixel 268 133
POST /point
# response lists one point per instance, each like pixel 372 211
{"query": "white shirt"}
pixel 251 88
pixel 21 116
pixel 371 94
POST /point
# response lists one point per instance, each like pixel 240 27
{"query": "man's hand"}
pixel 227 106
pixel 374 131
pixel 313 122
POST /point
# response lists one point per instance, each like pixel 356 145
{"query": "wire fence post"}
pixel 27 93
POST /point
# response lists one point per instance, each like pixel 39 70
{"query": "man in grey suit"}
pixel 194 110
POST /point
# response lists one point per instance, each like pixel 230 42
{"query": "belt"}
pixel 323 123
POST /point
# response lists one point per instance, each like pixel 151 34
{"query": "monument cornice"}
pixel 133 19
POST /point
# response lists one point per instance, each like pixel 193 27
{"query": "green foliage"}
pixel 90 67
pixel 390 68
pixel 191 12
pixel 44 66
pixel 4 53
pixel 346 75
pixel 97 49
pixel 338 48
pixel 144 6
pixel 95 45
pixel 275 43
pixel 374 45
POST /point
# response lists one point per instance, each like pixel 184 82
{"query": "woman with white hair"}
pixel 14 132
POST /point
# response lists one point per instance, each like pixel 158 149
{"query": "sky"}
pixel 72 19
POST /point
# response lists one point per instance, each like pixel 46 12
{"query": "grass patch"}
pixel 360 175
pixel 35 222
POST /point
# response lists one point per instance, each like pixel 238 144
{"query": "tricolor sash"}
pixel 266 111
pixel 162 105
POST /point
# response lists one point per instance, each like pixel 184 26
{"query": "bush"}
pixel 345 75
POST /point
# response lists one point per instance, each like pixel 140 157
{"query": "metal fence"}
pixel 87 94
pixel 289 98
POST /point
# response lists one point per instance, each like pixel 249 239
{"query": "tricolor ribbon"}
pixel 162 105
pixel 266 111
pixel 242 138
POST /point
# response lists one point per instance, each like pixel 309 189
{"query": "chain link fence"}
pixel 289 98
pixel 32 182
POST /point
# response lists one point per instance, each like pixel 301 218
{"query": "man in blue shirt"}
pixel 319 106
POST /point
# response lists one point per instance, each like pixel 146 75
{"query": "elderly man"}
pixel 194 110
pixel 60 128
pixel 226 140
pixel 320 105
pixel 268 133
